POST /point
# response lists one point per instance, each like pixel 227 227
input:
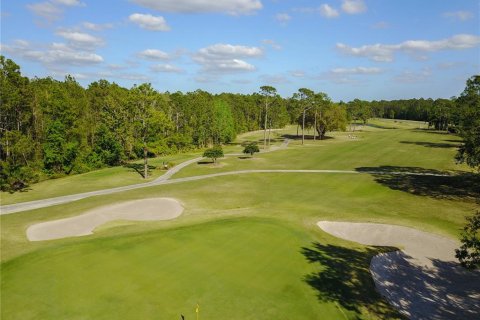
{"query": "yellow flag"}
pixel 197 308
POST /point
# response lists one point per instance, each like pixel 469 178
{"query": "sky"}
pixel 366 49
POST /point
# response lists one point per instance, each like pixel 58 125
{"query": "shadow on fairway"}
pixel 138 168
pixel 205 162
pixel 432 131
pixel 307 137
pixel 432 144
pixel 457 186
pixel 344 278
pixel 379 126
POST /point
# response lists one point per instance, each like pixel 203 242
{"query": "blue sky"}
pixel 367 49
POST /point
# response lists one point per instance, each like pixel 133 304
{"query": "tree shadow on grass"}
pixel 428 182
pixel 139 167
pixel 307 137
pixel 379 126
pixel 444 291
pixel 432 144
pixel 432 131
pixel 453 140
pixel 344 278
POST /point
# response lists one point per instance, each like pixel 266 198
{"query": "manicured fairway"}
pixel 372 148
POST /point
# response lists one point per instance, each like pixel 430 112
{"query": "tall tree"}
pixel 305 97
pixel 268 94
pixel 150 122
pixel 467 118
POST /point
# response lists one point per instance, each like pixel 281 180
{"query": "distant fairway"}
pixel 247 246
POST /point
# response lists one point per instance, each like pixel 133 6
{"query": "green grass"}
pixel 235 269
pixel 373 148
pixel 246 246
pixel 91 181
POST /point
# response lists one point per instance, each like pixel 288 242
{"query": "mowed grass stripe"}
pixel 403 148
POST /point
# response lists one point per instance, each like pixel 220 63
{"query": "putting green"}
pixel 236 269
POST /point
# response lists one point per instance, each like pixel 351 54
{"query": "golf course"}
pixel 239 238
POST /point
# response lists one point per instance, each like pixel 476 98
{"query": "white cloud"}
pixel 297 73
pixel 132 76
pixel 386 52
pixel 52 10
pixel 450 65
pixel 149 22
pixel 70 3
pixel 228 50
pixel 80 39
pixel 52 55
pixel 327 11
pixel 381 25
pixel 166 68
pixel 350 75
pixel 409 76
pixel 283 18
pixel 354 6
pixel 226 58
pixel 274 79
pixel 459 15
pixel 272 44
pixel 324 10
pixel 233 7
pixel 154 54
pixel 357 70
pixel 97 26
pixel 46 10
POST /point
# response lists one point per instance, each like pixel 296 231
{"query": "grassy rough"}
pixel 94 180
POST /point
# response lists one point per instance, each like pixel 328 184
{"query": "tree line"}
pixel 50 128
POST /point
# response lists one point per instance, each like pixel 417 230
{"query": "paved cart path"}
pixel 166 179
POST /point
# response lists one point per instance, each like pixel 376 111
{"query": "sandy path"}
pixel 84 224
pixel 423 280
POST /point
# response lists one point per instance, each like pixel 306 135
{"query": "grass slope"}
pixel 94 180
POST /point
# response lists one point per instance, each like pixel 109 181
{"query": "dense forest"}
pixel 50 128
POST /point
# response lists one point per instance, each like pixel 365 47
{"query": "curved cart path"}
pixel 423 279
pixel 24 206
pixel 166 179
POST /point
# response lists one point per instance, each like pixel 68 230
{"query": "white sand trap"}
pixel 84 224
pixel 420 246
pixel 423 280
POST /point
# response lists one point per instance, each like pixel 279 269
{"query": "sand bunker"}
pixel 421 246
pixel 423 280
pixel 84 224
